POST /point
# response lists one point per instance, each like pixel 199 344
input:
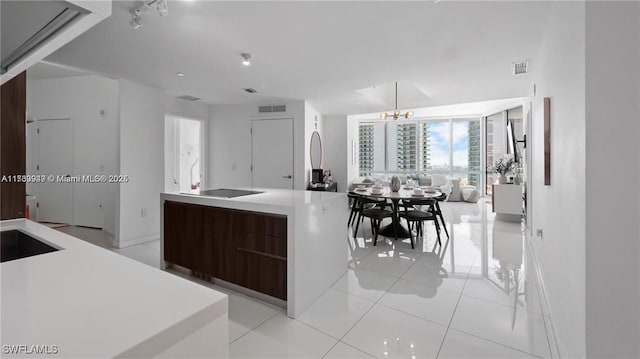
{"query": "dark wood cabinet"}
pixel 241 247
pixel 261 246
pixel 13 105
pixel 185 231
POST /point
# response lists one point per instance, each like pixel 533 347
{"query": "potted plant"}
pixel 503 167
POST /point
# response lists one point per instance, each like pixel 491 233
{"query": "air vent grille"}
pixel 276 108
pixel 251 90
pixel 520 68
pixel 189 98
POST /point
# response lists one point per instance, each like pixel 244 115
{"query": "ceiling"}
pixel 47 70
pixel 329 53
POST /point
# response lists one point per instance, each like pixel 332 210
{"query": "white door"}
pixel 272 153
pixel 55 157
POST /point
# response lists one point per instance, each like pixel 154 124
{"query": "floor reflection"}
pixel 477 279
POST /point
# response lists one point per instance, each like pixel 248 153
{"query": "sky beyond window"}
pixel 439 134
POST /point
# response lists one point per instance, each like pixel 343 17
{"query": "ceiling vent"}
pixel 251 90
pixel 276 108
pixel 520 67
pixel 189 98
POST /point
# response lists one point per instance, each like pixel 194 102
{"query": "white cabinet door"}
pixel 272 153
pixel 507 199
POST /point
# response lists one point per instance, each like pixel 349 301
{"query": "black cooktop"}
pixel 227 193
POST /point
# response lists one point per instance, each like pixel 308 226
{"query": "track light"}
pixel 161 6
pixel 136 19
pixel 245 58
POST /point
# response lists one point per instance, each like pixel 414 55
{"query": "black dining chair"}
pixel 354 199
pixel 376 210
pixel 438 212
pixel 419 210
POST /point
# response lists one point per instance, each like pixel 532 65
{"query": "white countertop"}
pixel 281 201
pixel 91 302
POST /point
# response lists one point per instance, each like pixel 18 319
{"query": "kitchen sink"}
pixel 15 244
pixel 227 193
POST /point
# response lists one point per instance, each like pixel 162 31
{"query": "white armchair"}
pixel 441 181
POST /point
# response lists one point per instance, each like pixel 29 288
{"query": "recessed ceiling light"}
pixel 246 58
pixel 179 74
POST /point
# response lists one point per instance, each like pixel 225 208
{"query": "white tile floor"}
pixel 470 299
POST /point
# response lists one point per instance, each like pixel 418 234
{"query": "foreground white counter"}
pixel 92 303
pixel 316 236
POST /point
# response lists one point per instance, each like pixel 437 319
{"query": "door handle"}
pixel 289 177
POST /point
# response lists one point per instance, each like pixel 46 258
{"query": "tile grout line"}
pixel 496 343
pixel 254 328
pixel 368 310
pixel 456 307
pixel 374 304
pixel 474 335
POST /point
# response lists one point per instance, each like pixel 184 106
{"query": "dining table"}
pixel 395 229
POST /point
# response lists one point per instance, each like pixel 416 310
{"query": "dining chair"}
pixel 354 199
pixel 438 212
pixel 376 210
pixel 417 211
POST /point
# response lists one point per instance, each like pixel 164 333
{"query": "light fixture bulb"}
pixel 179 74
pixel 384 115
pixel 245 58
pixel 136 19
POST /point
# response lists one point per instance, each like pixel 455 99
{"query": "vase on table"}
pixel 395 184
pixel 502 179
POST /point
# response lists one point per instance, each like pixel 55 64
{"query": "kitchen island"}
pixel 83 301
pixel 285 246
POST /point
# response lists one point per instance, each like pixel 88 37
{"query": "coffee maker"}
pixel 317 176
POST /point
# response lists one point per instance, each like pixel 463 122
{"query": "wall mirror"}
pixel 316 150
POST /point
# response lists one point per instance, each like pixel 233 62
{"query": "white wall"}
pixel 142 122
pixel 95 135
pixel 353 171
pixel 612 179
pixel 230 143
pixel 311 118
pixel 142 159
pixel 559 209
pixel 335 148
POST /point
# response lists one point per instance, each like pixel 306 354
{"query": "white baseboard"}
pixel 555 345
pixel 133 242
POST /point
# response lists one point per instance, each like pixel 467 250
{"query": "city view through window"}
pixel 424 147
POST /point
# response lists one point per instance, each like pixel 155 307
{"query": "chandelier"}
pixel 396 114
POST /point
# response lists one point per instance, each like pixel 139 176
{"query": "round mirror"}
pixel 316 150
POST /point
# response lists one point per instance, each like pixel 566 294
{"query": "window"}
pixel 429 146
pixel 402 149
pixel 436 146
pixel 371 148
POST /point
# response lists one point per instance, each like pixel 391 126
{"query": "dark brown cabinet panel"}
pixel 241 247
pixel 223 259
pixel 261 243
pixel 262 273
pixel 13 106
pixel 185 232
